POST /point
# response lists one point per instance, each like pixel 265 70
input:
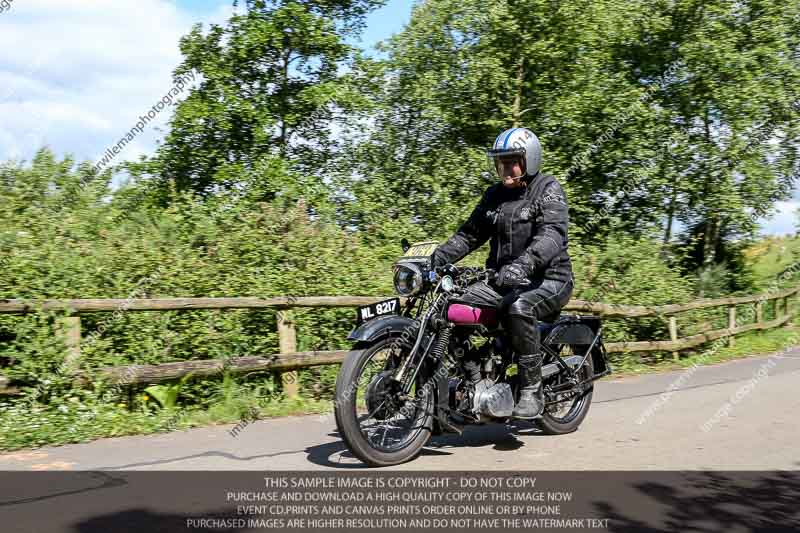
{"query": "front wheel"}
pixel 379 425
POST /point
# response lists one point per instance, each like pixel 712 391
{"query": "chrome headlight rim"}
pixel 416 272
pixel 448 284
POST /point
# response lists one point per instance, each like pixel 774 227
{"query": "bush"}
pixel 65 234
pixel 628 271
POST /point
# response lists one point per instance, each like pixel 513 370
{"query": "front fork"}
pixel 414 362
pixel 437 382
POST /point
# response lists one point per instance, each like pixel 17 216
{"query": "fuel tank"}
pixel 464 314
pixel 478 305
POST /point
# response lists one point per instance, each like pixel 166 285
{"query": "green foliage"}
pixel 111 246
pixel 775 260
pixel 651 113
pixel 167 395
pixel 297 164
pixel 271 86
pixel 629 271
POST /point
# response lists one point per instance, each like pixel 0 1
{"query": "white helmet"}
pixel 518 141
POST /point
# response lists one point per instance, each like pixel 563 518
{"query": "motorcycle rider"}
pixel 526 218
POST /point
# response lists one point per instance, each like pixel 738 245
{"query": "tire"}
pixel 345 410
pixel 552 425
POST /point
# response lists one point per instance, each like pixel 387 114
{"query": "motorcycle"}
pixel 440 360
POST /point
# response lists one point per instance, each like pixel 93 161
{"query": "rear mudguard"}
pixel 581 330
pixel 600 360
pixel 380 327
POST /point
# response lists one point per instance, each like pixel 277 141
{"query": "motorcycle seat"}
pixel 545 328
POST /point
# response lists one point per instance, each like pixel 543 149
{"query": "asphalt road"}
pixel 740 415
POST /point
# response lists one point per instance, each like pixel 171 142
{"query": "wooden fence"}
pixel 289 360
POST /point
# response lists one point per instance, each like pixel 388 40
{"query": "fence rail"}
pixel 289 360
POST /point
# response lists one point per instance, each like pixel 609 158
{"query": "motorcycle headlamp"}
pixel 407 279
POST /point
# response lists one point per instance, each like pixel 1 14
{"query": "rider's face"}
pixel 510 169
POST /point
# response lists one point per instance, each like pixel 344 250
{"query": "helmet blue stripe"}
pixel 498 140
pixel 505 142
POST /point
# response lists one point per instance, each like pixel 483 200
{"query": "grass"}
pixel 23 426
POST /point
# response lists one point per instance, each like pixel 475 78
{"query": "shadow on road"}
pixel 336 455
pixel 713 501
pixel 501 437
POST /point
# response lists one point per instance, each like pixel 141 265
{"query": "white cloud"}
pixel 77 74
pixel 783 221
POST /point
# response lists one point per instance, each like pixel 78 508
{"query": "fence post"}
pixel 69 328
pixel 760 311
pixel 287 340
pixel 731 325
pixel 673 334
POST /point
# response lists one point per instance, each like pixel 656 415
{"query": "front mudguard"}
pixel 377 329
pixel 380 327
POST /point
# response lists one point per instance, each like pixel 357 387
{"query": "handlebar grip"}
pixel 444 270
pixel 451 270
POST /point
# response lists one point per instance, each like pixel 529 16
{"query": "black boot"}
pixel 531 397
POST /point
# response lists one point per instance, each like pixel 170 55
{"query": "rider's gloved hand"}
pixel 437 260
pixel 512 275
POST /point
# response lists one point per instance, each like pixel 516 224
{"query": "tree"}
pixel 731 105
pixel 657 115
pixel 462 71
pixel 271 86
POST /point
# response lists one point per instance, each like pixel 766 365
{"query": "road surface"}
pixel 740 415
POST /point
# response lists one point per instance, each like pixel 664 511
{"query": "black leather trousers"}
pixel 522 308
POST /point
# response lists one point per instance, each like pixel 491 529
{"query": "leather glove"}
pixel 437 261
pixel 512 275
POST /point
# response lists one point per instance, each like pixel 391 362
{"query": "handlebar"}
pixel 457 272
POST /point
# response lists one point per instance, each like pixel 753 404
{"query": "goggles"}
pixel 505 160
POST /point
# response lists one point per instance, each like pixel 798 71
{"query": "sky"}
pixel 77 75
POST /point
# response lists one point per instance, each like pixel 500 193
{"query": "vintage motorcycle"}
pixel 441 360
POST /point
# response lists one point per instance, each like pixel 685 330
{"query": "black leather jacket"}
pixel 526 225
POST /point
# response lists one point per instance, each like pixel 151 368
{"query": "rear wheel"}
pixel 377 424
pixel 564 411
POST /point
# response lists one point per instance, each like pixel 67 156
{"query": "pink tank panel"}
pixel 466 314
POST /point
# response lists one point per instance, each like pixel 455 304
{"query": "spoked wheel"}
pixel 377 422
pixel 565 410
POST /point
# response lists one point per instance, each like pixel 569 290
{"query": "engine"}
pixel 479 393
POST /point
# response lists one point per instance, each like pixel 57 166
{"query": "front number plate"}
pixel 386 307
